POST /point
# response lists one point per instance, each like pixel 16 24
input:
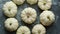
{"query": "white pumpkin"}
pixel 45 4
pixel 28 15
pixel 11 24
pixel 23 30
pixel 18 2
pixel 10 9
pixel 47 18
pixel 38 29
pixel 31 2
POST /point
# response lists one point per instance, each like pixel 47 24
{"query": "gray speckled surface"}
pixel 53 29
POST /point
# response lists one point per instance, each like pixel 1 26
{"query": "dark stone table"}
pixel 53 29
